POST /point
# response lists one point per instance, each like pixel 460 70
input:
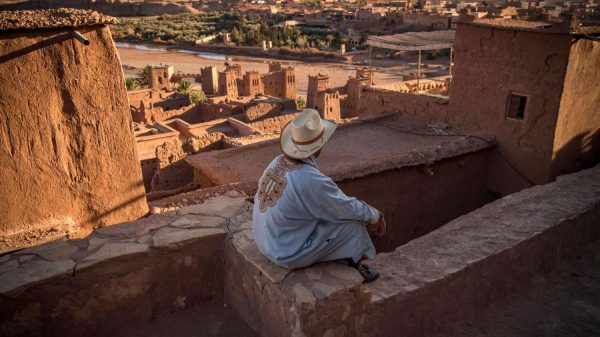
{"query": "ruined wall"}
pixel 577 136
pixel 262 110
pixel 374 102
pixel 159 77
pixel 490 64
pixel 273 124
pixel 67 153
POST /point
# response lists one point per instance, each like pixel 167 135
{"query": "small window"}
pixel 516 106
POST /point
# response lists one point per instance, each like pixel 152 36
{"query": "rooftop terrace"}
pixel 356 149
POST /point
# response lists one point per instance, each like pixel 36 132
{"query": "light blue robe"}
pixel 312 220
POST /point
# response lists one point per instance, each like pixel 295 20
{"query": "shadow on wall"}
pixel 100 216
pixel 581 152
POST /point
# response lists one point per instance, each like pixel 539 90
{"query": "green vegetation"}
pixel 187 28
pixel 175 28
pixel 196 96
pixel 132 84
pixel 300 103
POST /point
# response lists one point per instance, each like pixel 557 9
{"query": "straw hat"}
pixel 306 134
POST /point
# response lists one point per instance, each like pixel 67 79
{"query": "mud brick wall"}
pixel 68 161
pixel 375 101
pixel 419 199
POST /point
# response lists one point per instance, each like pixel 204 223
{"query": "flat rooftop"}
pixel 356 149
pixel 554 27
pixel 52 18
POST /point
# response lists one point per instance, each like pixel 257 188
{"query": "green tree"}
pixel 329 38
pixel 196 96
pixel 132 83
pixel 301 102
pixel 142 77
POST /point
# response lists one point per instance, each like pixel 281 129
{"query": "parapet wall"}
pixel 67 157
pixel 376 101
pixel 429 284
pixel 121 276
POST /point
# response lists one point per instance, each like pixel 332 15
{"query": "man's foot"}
pixel 367 273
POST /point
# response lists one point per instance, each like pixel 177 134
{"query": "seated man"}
pixel 301 216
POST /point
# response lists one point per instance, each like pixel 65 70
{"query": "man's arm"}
pixel 324 200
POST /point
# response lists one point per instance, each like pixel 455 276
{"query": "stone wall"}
pixel 429 284
pixel 121 276
pixel 67 145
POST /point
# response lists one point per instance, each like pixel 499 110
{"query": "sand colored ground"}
pixel 387 71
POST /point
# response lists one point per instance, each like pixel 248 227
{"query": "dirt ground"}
pixel 387 71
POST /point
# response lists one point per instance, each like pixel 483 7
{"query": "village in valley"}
pixel 136 137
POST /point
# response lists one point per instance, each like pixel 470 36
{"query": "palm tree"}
pixel 184 87
pixel 142 77
pixel 132 83
pixel 196 96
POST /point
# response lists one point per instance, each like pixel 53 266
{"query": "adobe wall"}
pixel 273 124
pixel 375 101
pixel 418 199
pixel 577 137
pixel 491 63
pixel 67 144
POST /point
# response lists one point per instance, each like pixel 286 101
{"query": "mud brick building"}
pixel 66 129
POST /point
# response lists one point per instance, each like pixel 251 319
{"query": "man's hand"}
pixel 377 229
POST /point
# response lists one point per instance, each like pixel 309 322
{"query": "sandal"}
pixel 367 273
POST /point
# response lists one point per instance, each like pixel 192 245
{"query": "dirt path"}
pixel 386 71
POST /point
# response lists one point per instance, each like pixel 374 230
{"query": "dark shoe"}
pixel 367 273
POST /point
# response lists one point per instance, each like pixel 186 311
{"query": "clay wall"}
pixel 159 77
pixel 228 84
pixel 315 84
pixel 577 137
pixel 147 140
pixel 209 77
pixel 267 108
pixel 150 106
pixel 192 78
pixel 289 83
pixel 328 104
pixel 273 124
pixel 365 73
pixel 211 111
pixel 490 65
pixel 375 101
pixel 417 200
pixel 275 66
pixel 66 137
pixel 251 84
pixel 235 68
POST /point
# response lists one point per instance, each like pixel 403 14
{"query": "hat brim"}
pixel 304 151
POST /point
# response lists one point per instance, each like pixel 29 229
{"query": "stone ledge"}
pixel 276 301
pixel 441 278
pixel 169 231
pixel 458 270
